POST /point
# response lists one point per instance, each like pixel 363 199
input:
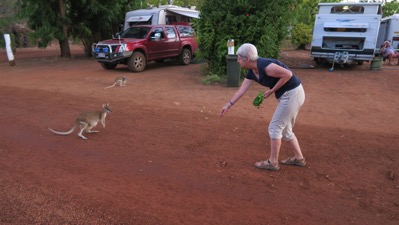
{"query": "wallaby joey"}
pixel 120 80
pixel 86 121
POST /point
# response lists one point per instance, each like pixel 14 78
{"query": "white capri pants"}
pixel 283 119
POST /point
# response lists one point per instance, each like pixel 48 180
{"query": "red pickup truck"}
pixel 138 45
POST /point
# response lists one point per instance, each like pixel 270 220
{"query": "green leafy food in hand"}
pixel 258 99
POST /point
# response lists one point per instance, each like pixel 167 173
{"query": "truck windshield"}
pixel 136 32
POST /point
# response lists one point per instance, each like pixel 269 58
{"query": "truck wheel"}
pixel 185 56
pixel 137 62
pixel 108 66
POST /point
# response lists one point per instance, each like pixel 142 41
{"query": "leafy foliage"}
pixel 301 35
pixel 262 23
pixel 390 8
pixel 304 12
pixel 89 21
pixel 92 21
pixel 43 19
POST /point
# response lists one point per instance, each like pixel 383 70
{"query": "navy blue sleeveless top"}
pixel 270 82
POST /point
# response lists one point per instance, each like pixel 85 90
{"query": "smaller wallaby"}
pixel 86 121
pixel 119 80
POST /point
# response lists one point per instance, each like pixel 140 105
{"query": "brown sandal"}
pixel 266 165
pixel 294 161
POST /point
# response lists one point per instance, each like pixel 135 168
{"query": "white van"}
pixel 346 32
pixel 164 14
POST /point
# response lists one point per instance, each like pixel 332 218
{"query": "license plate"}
pixel 101 55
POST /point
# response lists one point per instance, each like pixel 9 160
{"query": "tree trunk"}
pixel 64 44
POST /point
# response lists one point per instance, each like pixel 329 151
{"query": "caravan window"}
pixel 170 19
pixel 347 9
pixel 334 29
pixel 345 27
pixel 135 32
pixel 139 20
pixel 140 23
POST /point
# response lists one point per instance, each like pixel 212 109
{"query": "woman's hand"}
pixel 267 93
pixel 225 108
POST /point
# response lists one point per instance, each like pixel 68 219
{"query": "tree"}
pixel 301 35
pixel 64 43
pixel 304 12
pixel 390 8
pixel 89 21
pixel 262 23
pixel 93 21
pixel 48 22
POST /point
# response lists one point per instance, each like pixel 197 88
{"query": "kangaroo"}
pixel 119 80
pixel 86 121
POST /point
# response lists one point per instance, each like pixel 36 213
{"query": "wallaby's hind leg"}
pixel 83 126
pixel 88 129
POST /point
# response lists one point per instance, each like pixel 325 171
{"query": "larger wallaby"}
pixel 86 121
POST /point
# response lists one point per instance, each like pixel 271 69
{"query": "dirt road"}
pixel 165 157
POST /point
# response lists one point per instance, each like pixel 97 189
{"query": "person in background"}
pixel 389 52
pixel 288 90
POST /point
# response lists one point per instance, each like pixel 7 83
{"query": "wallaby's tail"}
pixel 62 133
pixel 110 86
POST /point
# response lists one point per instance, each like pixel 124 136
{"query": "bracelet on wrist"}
pixel 231 103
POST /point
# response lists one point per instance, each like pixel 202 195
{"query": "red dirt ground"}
pixel 166 157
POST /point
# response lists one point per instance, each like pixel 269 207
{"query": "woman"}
pixel 289 92
pixel 389 52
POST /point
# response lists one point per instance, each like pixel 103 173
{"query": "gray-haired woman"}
pixel 289 93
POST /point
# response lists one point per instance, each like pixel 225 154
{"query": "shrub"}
pixel 301 35
pixel 261 23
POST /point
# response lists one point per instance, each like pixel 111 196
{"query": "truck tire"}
pixel 185 56
pixel 137 62
pixel 108 66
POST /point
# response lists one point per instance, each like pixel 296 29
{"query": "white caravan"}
pixel 164 14
pixel 346 32
pixel 389 31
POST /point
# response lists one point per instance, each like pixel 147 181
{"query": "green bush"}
pixel 263 24
pixel 301 35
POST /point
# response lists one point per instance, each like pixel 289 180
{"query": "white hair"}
pixel 248 51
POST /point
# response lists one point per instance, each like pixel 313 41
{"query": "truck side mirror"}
pixel 156 37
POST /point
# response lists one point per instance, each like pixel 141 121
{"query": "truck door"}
pixel 173 41
pixel 157 46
